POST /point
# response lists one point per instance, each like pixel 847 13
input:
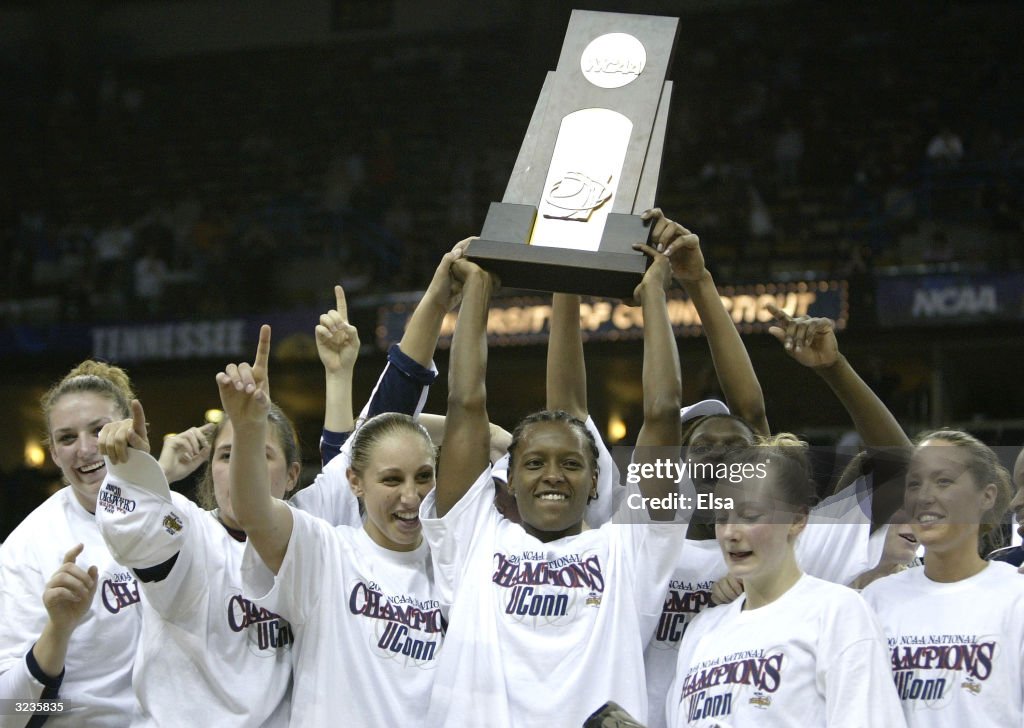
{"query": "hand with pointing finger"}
pixel 69 592
pixel 337 341
pixel 811 341
pixel 245 389
pixel 67 598
pixel 116 437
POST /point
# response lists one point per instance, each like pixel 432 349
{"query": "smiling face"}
pixel 900 542
pixel 942 500
pixel 283 475
pixel 398 475
pixel 552 479
pixel 75 422
pixel 757 535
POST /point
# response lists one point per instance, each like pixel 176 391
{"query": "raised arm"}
pixel 566 370
pixel 245 396
pixel 500 437
pixel 441 296
pixel 337 344
pixel 406 379
pixel 660 435
pixel 467 438
pixel 812 342
pixel 729 355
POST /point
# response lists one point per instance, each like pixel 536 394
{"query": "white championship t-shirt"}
pixel 814 657
pixel 542 633
pixel 956 650
pixel 208 655
pixel 97 680
pixel 834 546
pixel 368 624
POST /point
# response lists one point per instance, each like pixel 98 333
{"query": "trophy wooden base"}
pixel 614 270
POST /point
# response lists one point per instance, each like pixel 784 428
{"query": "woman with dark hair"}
pixel 954 626
pixel 548 619
pixel 201 636
pixel 793 649
pixel 361 599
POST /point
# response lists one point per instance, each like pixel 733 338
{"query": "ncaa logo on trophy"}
pixel 589 163
pixel 613 60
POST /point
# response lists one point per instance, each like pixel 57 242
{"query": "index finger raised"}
pixel 263 349
pixel 139 419
pixel 778 312
pixel 340 304
pixel 73 553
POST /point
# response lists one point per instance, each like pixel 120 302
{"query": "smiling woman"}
pixel 391 473
pixel 956 494
pixel 955 624
pixel 76 409
pixel 551 614
pixel 71 640
pixel 542 443
pixel 360 597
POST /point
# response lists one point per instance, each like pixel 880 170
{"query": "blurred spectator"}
pixel 183 221
pixel 761 226
pixel 398 218
pixel 339 183
pixel 113 245
pixel 939 249
pixel 150 279
pixel 789 152
pixel 945 150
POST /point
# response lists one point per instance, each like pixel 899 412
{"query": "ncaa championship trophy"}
pixel 589 163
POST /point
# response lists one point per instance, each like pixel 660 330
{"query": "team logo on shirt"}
pixel 703 686
pixel 268 633
pixel 118 591
pixel 171 523
pixel 406 628
pixel 927 668
pixel 543 590
pixel 683 602
pixel 760 700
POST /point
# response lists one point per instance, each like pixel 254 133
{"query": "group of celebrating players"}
pixel 511 579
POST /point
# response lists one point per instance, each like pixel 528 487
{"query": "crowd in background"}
pixel 801 139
